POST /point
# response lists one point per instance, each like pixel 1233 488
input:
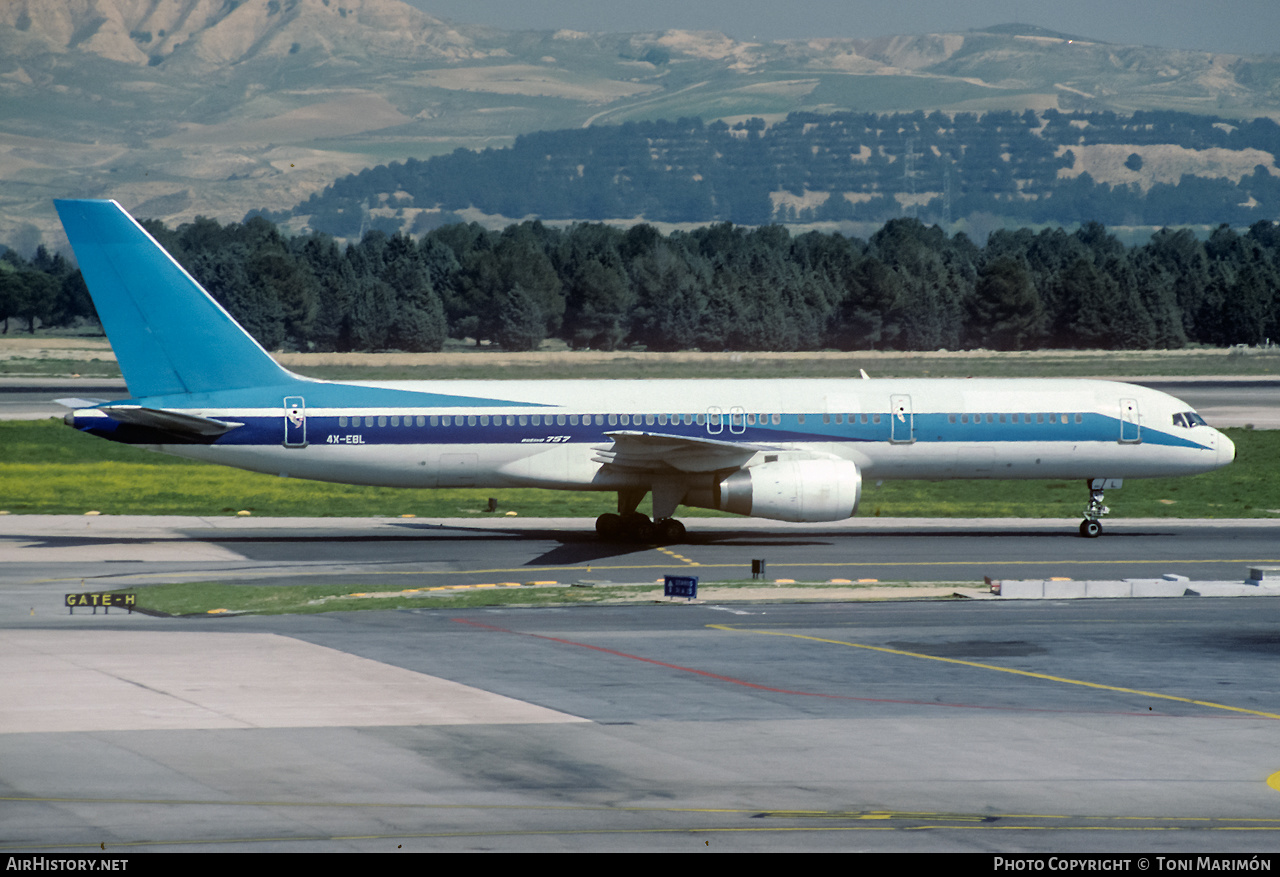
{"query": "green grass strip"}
pixel 212 599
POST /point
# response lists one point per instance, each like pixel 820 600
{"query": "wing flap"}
pixel 655 451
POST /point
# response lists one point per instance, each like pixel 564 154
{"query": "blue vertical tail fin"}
pixel 169 335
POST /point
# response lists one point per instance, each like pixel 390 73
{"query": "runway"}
pixel 1104 725
pixel 42 556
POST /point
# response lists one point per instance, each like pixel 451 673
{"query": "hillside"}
pixel 845 171
pixel 194 107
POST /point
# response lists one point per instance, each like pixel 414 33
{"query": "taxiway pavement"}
pixel 43 556
pixel 1105 725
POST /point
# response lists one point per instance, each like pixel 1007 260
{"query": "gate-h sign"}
pixel 96 599
pixel 680 586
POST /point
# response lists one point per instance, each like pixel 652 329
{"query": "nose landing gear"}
pixel 1091 526
pixel 1090 529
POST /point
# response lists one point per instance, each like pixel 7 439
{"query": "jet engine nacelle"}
pixel 786 490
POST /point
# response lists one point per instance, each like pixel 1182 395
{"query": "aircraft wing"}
pixel 655 451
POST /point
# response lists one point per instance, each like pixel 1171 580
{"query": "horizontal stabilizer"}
pixel 79 403
pixel 169 421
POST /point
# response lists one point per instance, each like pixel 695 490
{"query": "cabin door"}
pixel 1130 430
pixel 902 423
pixel 295 422
pixel 715 420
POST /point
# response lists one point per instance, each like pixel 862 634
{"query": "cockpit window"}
pixel 1188 419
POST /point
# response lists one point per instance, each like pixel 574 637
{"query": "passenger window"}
pixel 613 420
pixel 777 419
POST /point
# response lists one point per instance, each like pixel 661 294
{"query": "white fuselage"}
pixel 891 429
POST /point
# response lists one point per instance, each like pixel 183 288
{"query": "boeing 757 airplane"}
pixel 788 450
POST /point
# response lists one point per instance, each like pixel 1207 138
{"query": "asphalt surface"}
pixel 1100 726
pixel 42 556
pixel 957 725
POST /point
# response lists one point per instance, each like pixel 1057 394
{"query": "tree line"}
pixel 910 286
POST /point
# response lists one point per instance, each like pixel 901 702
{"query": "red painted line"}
pixel 758 687
pixel 569 642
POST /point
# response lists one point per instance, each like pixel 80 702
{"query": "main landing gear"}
pixel 636 527
pixel 629 525
pixel 1091 527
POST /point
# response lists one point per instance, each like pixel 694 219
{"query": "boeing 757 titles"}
pixel 788 450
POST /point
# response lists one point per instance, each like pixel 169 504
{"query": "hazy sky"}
pixel 1238 26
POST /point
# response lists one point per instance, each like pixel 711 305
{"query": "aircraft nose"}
pixel 1226 450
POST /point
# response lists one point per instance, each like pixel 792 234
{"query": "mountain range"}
pixel 179 108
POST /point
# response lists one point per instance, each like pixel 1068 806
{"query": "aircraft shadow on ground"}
pixel 580 546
